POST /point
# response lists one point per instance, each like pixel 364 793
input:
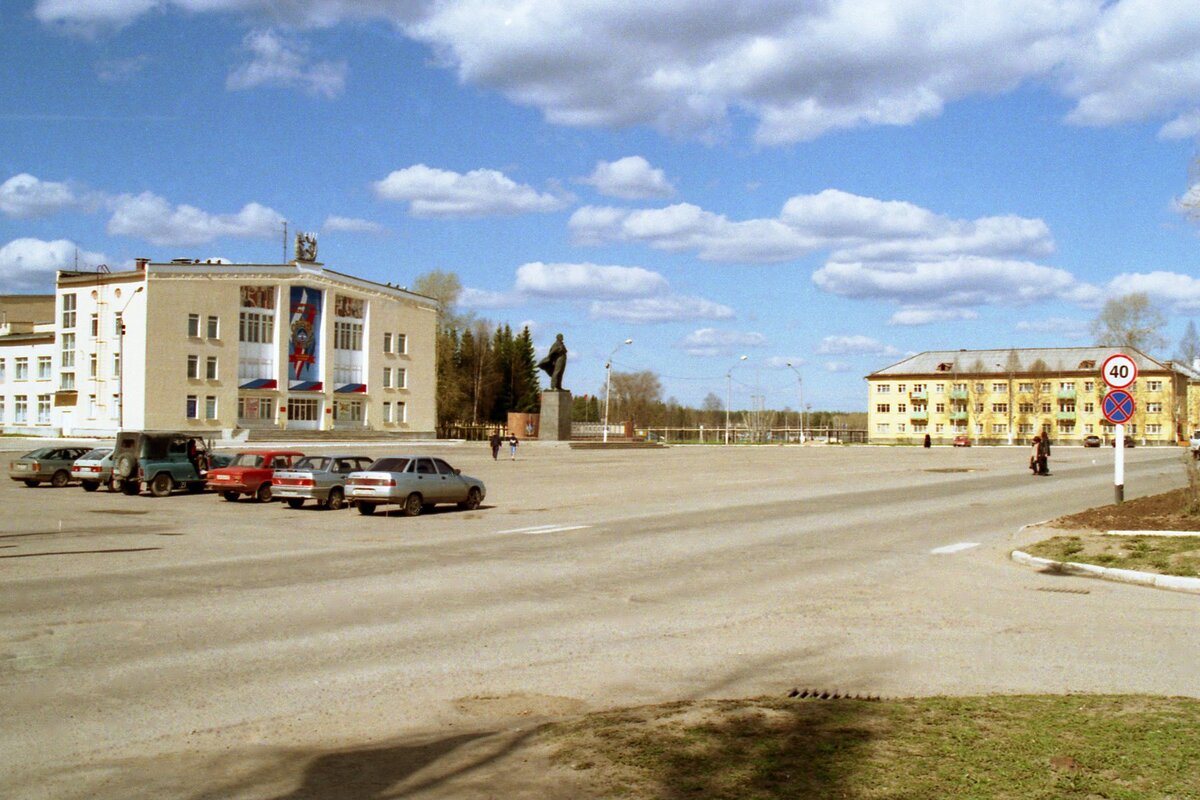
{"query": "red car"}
pixel 962 440
pixel 250 473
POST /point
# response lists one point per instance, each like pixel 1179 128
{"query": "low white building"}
pixel 218 347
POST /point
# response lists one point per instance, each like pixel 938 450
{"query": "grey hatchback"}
pixel 51 464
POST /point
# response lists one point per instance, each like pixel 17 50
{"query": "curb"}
pixel 1173 583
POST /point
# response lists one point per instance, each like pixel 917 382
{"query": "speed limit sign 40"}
pixel 1119 371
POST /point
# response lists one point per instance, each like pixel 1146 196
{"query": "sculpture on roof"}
pixel 306 247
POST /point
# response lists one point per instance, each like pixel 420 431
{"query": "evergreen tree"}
pixel 527 387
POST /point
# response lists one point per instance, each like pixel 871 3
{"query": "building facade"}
pixel 218 347
pixel 1009 396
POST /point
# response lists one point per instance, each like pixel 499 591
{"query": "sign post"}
pixel 1119 372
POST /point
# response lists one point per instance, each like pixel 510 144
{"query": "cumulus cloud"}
pixel 28 265
pixel 24 196
pixel 796 70
pixel 1171 290
pixel 150 217
pixel 926 316
pixel 838 366
pixel 441 193
pixel 280 62
pixel 858 345
pixel 630 178
pixel 712 342
pixel 480 298
pixel 659 309
pixel 1058 326
pixel 587 281
pixel 334 223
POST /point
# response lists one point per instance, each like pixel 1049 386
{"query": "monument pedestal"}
pixel 555 422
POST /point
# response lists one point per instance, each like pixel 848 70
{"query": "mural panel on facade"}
pixel 304 332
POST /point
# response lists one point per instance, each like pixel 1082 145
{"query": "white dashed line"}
pixel 541 529
pixel 953 548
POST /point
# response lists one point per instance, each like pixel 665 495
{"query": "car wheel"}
pixel 474 498
pixel 31 484
pixel 60 479
pixel 230 496
pixel 366 509
pixel 263 495
pixel 90 486
pixel 413 505
pixel 295 502
pixel 161 485
pixel 335 500
pixel 130 487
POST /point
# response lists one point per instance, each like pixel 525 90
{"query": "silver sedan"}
pixel 415 483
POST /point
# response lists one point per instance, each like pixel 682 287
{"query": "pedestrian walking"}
pixel 1043 451
pixel 513 441
pixel 928 442
pixel 495 443
pixel 1033 455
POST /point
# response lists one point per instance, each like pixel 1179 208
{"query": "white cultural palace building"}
pixel 215 348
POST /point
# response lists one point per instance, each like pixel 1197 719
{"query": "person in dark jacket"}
pixel 1043 454
pixel 495 443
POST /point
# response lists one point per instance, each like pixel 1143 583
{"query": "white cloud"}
pixel 25 196
pixel 480 193
pixel 630 178
pixel 30 264
pixel 1172 290
pixel 712 342
pixel 116 70
pixel 858 345
pixel 659 309
pixel 1058 326
pixel 838 366
pixel 152 218
pixel 578 281
pixel 481 298
pixel 926 316
pixel 352 225
pixel 280 62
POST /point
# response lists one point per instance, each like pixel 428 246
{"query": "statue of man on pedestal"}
pixel 554 363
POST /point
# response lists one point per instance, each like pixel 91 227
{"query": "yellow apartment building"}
pixel 1008 396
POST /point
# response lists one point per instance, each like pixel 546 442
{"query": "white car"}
pixel 94 469
pixel 415 483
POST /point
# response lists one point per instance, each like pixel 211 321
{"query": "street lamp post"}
pixel 121 360
pixel 800 382
pixel 608 385
pixel 729 394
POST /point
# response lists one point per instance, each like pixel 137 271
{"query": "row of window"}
pixel 302 409
pixel 1002 408
pixel 1065 428
pixel 21 406
pixel 45 372
pixel 1024 387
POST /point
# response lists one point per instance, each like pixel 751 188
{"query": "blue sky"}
pixel 834 184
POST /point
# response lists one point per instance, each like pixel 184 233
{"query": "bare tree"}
pixel 1189 345
pixel 636 393
pixel 1129 321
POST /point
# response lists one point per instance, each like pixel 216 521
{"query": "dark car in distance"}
pixel 1092 440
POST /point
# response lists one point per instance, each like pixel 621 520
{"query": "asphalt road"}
pixel 191 647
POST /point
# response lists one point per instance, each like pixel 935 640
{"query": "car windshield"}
pixel 312 462
pixel 390 465
pixel 247 460
pixel 95 455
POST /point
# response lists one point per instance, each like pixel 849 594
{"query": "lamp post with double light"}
pixel 800 383
pixel 608 384
pixel 121 359
pixel 729 393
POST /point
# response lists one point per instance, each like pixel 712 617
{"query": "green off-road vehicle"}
pixel 162 461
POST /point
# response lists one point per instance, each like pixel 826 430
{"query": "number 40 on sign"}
pixel 1119 371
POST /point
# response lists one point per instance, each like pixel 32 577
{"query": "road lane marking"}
pixel 542 529
pixel 953 548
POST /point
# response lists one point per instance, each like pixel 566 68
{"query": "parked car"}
pixel 1128 442
pixel 162 461
pixel 321 478
pixel 251 472
pixel 51 464
pixel 415 483
pixel 962 440
pixel 1092 440
pixel 93 469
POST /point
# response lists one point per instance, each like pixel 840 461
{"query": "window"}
pixel 999 427
pixel 884 388
pixel 939 427
pixel 1089 386
pixel 401 412
pixel 1067 385
pixel 304 409
pixel 116 367
pixel 1025 387
pixel 210 407
pixel 117 324
pixel 900 388
pixel 1026 408
pixel 387 377
pixel 1089 428
pixel 940 388
pixel 387 411
pixel 1025 427
pixel 979 408
pixel 960 387
pixel 1 410
pixel 979 388
pixel 214 328
pixel 66 381
pixel 95 325
pixel 1046 409
pixel 91 406
pixel 1089 408
pixel 1153 429
pixel 1046 386
pixel 43 409
pixel 1000 408
pixel 1154 386
pixel 387 343
pixel 918 387
pixel 256 326
pixel 68 350
pixel 193 326
pixel 1153 408
pixel 255 408
pixel 2 363
pixel 193 367
pixel 939 407
pixel 999 387
pixel 21 408
pixel 68 311
pixel 902 407
pixel 401 344
pixel 210 368
pixel 347 335
pixel 192 411
pixel 882 427
pixel 43 368
pixel 402 378
pixel 22 369
pixel 900 427
pixel 883 408
pixel 93 366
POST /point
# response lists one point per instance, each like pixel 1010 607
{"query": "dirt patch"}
pixel 1168 511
